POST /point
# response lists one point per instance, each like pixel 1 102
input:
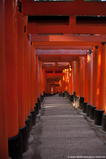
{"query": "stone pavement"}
pixel 63 132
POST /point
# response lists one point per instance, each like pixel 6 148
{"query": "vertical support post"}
pixel 81 82
pixel 32 78
pixel 3 106
pixel 85 85
pixel 104 114
pixel 29 74
pixel 11 39
pixel 21 79
pixel 100 84
pixel 26 77
pixel 63 84
pixel 20 76
pixel 94 82
pixel 73 80
pixel 77 83
pixel 11 68
pixel 89 61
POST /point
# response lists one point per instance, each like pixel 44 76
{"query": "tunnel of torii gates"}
pixel 43 57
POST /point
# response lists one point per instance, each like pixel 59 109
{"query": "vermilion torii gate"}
pixel 24 48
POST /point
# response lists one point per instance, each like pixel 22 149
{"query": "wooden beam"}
pixel 51 75
pixel 59 58
pixel 61 52
pixel 63 47
pixel 68 43
pixel 64 8
pixel 67 37
pixel 33 29
pixel 55 67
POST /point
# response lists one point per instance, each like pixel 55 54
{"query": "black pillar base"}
pixel 71 98
pixel 84 107
pixel 63 94
pixel 91 112
pixel 98 117
pixel 33 117
pixel 87 109
pixel 104 122
pixel 27 122
pixel 15 146
pixel 36 108
pixel 24 138
pixel 81 102
pixel 74 97
pixel 39 103
pixel 30 121
pixel 77 101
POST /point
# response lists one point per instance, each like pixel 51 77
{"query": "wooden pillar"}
pixel 20 75
pixel 44 80
pixel 35 77
pixel 77 71
pixel 78 78
pixel 70 80
pixel 94 82
pixel 29 74
pixel 11 67
pixel 11 39
pixel 89 62
pixel 104 114
pixel 73 80
pixel 81 82
pixel 82 77
pixel 3 107
pixel 100 84
pixel 26 77
pixel 85 85
pixel 73 77
pixel 32 94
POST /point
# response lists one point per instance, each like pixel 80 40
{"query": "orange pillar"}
pixel 74 80
pixel 89 69
pixel 63 84
pixel 70 84
pixel 81 82
pixel 94 82
pixel 29 74
pixel 44 80
pixel 11 39
pixel 100 84
pixel 26 77
pixel 77 71
pixel 35 90
pixel 32 94
pixel 78 78
pixel 11 67
pixel 3 107
pixel 104 114
pixel 73 76
pixel 85 85
pixel 20 76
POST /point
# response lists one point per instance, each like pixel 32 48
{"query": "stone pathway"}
pixel 63 133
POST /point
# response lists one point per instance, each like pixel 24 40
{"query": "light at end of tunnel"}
pixel 69 74
pixel 63 78
pixel 74 104
pixel 88 58
pixel 70 69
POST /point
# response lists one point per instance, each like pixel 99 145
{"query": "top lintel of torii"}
pixel 77 7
